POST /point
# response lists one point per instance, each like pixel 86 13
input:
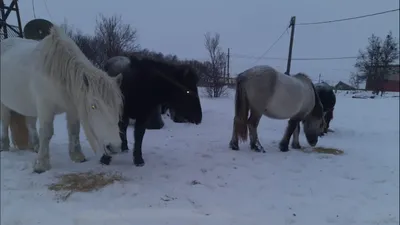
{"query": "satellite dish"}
pixel 37 29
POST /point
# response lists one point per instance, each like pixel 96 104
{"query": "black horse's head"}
pixel 184 97
pixel 160 83
pixel 314 122
pixel 328 100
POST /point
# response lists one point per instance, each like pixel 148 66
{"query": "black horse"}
pixel 328 100
pixel 146 85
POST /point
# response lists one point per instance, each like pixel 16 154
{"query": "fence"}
pixel 10 32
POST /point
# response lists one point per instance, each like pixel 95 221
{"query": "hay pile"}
pixel 332 151
pixel 84 182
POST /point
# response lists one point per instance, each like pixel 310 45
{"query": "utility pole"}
pixel 289 62
pixel 319 78
pixel 227 65
pixel 229 59
pixel 4 26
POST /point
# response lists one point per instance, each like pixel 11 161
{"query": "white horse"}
pixel 40 79
pixel 262 90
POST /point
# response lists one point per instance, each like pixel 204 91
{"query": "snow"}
pixel 191 177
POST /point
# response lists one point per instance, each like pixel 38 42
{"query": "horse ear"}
pixel 118 78
pixel 85 80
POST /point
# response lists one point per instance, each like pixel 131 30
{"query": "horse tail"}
pixel 19 130
pixel 241 111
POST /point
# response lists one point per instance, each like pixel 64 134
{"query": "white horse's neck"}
pixel 65 64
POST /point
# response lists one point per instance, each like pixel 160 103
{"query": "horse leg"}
pixel 295 140
pixel 5 123
pixel 328 118
pixel 46 131
pixel 253 122
pixel 74 145
pixel 140 129
pixel 33 135
pixel 284 143
pixel 234 143
pixel 123 126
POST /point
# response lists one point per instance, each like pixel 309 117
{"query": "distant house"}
pixel 343 86
pixel 391 81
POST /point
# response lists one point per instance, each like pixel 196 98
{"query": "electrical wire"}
pixel 346 19
pixel 47 9
pixel 33 9
pixel 294 59
pixel 273 44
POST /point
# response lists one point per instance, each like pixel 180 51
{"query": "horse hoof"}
pixel 283 147
pixel 233 147
pixel 84 160
pixel 296 146
pixel 138 162
pixel 41 167
pixel 105 159
pixel 39 171
pixel 257 148
pixel 4 145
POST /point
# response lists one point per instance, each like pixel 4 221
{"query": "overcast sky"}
pixel 248 27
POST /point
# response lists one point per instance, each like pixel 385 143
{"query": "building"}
pixel 344 87
pixel 391 81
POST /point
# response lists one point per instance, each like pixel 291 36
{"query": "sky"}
pixel 248 28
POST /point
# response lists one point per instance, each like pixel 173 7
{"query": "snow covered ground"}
pixel 191 177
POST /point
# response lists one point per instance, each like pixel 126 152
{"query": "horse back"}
pixel 291 98
pixel 21 80
pixel 17 69
pixel 327 97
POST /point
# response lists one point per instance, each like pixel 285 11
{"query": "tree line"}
pixel 374 63
pixel 112 37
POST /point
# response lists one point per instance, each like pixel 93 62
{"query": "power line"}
pixel 349 18
pixel 297 59
pixel 273 44
pixel 47 9
pixel 33 9
pixel 325 58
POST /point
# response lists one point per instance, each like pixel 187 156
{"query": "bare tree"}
pixel 214 78
pixel 113 37
pixel 87 43
pixel 355 80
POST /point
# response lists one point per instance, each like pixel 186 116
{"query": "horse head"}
pixel 100 111
pixel 313 123
pixel 184 98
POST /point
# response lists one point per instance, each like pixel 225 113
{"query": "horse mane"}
pixel 63 62
pixel 318 110
pixel 170 69
pixel 303 76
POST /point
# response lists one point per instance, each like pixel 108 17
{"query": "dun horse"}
pixel 147 84
pixel 264 91
pixel 40 79
pixel 328 100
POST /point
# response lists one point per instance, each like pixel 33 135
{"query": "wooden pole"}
pixel 229 59
pixel 289 62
